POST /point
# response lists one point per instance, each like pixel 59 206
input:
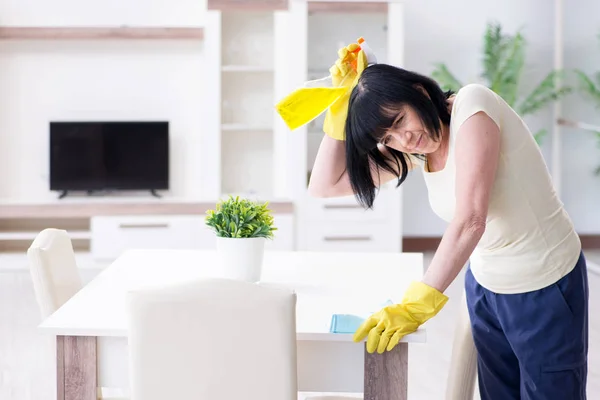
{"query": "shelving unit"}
pixel 347 7
pixel 99 33
pixel 255 53
pixel 247 100
pixel 244 127
pixel 29 236
pixel 247 5
pixel 341 223
pixel 246 68
pixel 333 25
pixel 141 222
pixel 18 231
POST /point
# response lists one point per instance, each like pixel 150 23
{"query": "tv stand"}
pixel 64 193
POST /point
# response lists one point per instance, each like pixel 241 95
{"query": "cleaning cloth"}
pixel 349 323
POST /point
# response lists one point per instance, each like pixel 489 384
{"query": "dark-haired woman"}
pixel 526 282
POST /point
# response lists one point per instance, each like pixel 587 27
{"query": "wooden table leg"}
pixel 76 368
pixel 386 375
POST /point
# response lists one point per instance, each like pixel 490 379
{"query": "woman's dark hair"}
pixel 374 105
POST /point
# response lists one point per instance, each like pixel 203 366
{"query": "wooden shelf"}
pixel 245 127
pixel 85 209
pixel 246 68
pixel 347 6
pixel 98 33
pixel 247 5
pixel 75 235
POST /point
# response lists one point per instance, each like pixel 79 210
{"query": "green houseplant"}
pixel 503 67
pixel 241 218
pixel 589 86
pixel 241 226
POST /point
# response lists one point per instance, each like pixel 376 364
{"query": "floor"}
pixel 26 358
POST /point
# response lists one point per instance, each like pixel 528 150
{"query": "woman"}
pixel 526 282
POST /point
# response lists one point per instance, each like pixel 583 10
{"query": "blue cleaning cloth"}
pixel 345 323
pixel 349 323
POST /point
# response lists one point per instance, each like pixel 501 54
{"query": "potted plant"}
pixel 242 226
pixel 503 66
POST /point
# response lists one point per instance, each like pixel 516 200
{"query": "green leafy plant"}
pixel 241 218
pixel 503 67
pixel 589 85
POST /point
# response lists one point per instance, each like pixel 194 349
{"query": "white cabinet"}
pixel 240 49
pixel 112 235
pixel 341 224
pixel 347 209
pixel 257 54
pixel 284 238
pixel 351 236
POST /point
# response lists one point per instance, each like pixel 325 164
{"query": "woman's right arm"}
pixel 329 177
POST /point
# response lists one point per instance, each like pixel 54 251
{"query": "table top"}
pixel 326 283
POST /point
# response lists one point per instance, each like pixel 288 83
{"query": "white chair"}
pixel 53 269
pixel 54 273
pixel 213 339
pixel 463 362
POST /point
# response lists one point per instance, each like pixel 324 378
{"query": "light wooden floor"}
pixel 27 359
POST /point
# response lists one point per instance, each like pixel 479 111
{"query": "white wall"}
pixel 41 81
pixel 581 149
pixel 107 12
pixel 457 40
pixel 87 80
pixel 452 32
pixel 325 37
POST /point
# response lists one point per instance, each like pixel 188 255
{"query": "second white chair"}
pixel 463 363
pixel 53 269
pixel 213 339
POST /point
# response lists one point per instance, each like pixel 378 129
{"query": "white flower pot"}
pixel 241 258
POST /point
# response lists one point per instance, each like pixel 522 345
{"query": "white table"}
pixel 92 335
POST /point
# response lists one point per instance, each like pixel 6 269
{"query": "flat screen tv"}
pixel 109 156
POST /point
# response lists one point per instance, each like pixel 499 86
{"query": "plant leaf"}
pixel 539 135
pixel 506 80
pixel 445 78
pixel 587 85
pixel 240 218
pixel 543 94
pixel 493 45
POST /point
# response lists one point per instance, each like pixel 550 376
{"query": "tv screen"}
pixel 109 156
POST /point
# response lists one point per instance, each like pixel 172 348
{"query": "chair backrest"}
pixel 212 339
pixel 463 362
pixel 53 269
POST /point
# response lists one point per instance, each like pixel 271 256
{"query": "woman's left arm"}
pixel 477 151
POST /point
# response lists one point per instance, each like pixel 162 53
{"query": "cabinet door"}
pixel 284 235
pixel 112 235
pixel 351 236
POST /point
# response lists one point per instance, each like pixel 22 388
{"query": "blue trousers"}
pixel 534 345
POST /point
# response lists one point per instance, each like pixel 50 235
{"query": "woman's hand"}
pixel 345 69
pixel 350 64
pixel 388 326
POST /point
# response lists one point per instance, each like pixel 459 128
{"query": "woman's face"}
pixel 408 134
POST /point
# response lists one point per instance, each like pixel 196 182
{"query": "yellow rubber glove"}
pixel 386 327
pixel 305 104
pixel 345 72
